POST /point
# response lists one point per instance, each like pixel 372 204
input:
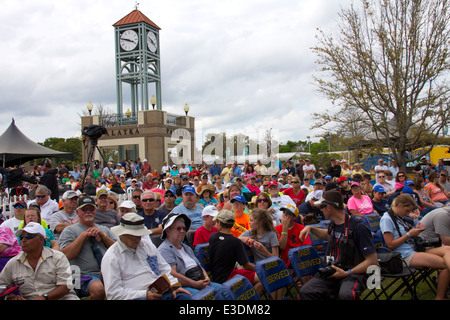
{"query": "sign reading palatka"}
pixel 122 132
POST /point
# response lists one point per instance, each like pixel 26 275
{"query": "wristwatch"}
pixel 45 296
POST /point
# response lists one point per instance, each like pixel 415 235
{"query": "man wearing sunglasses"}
pixel 19 211
pixel 152 217
pixel 47 205
pixel 84 243
pixel 36 268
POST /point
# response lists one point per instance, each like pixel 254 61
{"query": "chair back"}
pixel 305 260
pixel 208 293
pixel 202 253
pixel 273 274
pixel 239 288
pixel 372 221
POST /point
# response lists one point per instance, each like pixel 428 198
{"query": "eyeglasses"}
pixel 179 229
pixel 88 208
pixel 28 236
pixel 40 197
pixel 381 176
pixel 295 181
pixel 148 200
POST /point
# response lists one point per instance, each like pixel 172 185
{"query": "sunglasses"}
pixel 28 236
pixel 148 200
pixel 401 176
pixel 88 208
pixel 19 206
pixel 40 197
pixel 169 195
pixel 136 197
pixel 381 176
pixel 262 200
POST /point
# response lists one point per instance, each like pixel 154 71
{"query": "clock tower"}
pixel 137 63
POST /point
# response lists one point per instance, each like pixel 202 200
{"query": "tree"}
pixel 72 145
pixel 388 66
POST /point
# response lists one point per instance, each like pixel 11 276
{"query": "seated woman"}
pixel 185 265
pixel 436 191
pixel 399 236
pixel 359 204
pixel 9 245
pixel 33 214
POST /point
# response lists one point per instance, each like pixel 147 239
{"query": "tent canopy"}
pixel 16 148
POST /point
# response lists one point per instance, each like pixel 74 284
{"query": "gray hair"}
pixel 148 192
pixel 43 189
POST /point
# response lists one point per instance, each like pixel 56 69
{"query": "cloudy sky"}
pixel 240 65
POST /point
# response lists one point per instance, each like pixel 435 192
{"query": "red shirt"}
pixel 293 240
pixel 297 198
pixel 202 235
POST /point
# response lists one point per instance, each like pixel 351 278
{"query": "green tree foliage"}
pixel 386 72
pixel 72 145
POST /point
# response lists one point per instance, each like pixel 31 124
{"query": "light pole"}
pixel 153 101
pixel 186 108
pixel 309 144
pixel 89 106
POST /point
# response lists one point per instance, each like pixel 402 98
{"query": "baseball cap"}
pixel 317 194
pixel 210 211
pixel 127 204
pixel 342 179
pixel 328 177
pixel 239 198
pixel 225 216
pixel 409 182
pixel 407 190
pixel 69 194
pixel 20 203
pixel 272 183
pixel 318 181
pixel 332 197
pixel 189 189
pixel 34 228
pixel 289 208
pixel 379 188
pixel 355 184
pixel 102 191
pixel 85 201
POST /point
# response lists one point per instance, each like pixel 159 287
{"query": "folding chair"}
pixel 319 244
pixel 405 280
pixel 201 251
pixel 274 275
pixel 239 288
pixel 208 293
pixel 324 223
pixel 305 260
pixel 372 221
pixel 249 252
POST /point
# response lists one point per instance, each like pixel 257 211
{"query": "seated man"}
pixel 133 263
pixel 226 250
pixel 84 243
pixel 41 273
pixel 350 252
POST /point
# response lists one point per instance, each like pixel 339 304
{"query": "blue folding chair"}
pixel 201 251
pixel 239 288
pixel 372 221
pixel 208 293
pixel 305 260
pixel 249 252
pixel 324 223
pixel 319 244
pixel 274 275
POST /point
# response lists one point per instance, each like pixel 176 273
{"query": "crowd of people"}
pixel 125 225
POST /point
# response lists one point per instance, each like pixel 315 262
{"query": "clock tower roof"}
pixel 135 16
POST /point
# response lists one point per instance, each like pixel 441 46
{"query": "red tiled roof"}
pixel 135 16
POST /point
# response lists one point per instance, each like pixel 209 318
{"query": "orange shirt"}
pixel 241 225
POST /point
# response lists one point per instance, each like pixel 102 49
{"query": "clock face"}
pixel 128 40
pixel 151 41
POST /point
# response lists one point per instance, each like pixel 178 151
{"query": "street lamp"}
pixel 90 107
pixel 186 108
pixel 309 143
pixel 153 101
pixel 128 113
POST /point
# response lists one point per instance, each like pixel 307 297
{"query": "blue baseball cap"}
pixel 408 182
pixel 189 189
pixel 407 190
pixel 379 188
pixel 328 177
pixel 238 198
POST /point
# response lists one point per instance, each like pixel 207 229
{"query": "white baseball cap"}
pixel 34 228
pixel 210 211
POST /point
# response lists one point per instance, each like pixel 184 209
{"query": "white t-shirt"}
pixel 12 223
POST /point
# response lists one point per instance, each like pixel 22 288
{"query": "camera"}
pixel 422 244
pixel 326 272
pixel 94 131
